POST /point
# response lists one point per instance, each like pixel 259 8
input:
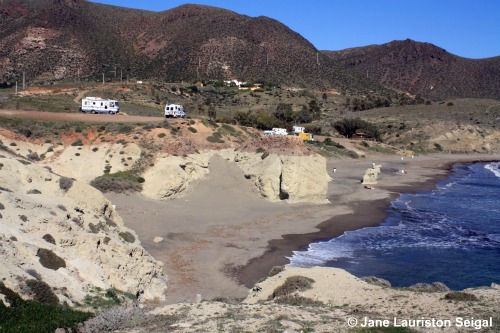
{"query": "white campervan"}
pixel 100 105
pixel 175 111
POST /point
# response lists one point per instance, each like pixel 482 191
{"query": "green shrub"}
pixel 42 292
pixel 215 139
pixel 77 143
pixel 192 129
pixel 49 239
pixel 348 127
pixel 293 284
pixel 65 183
pixel 460 296
pixel 429 287
pixel 162 135
pixel 34 191
pixel 127 236
pixel 297 300
pixel 275 270
pixel 95 228
pixel 50 260
pixel 118 182
pixel 376 281
pixel 35 317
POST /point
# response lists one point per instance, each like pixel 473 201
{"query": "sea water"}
pixel 450 234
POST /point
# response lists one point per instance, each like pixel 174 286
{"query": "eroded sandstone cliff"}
pixel 67 234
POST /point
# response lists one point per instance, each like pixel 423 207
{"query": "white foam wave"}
pixel 494 167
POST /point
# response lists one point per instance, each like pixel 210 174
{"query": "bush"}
pixel 95 228
pixel 293 284
pixel 49 239
pixel 192 129
pixel 162 135
pixel 297 300
pixel 33 156
pixel 430 287
pixel 118 182
pixel 275 270
pixel 35 317
pixel 34 191
pixel 127 236
pixel 348 127
pixel 117 318
pixel 460 296
pixel 65 183
pixel 42 292
pixel 376 281
pixel 50 260
pixel 77 143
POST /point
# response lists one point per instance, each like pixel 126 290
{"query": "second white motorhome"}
pixel 174 111
pixel 99 105
pixel 276 131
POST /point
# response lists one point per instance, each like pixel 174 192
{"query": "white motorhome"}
pixel 276 131
pixel 280 131
pixel 175 111
pixel 100 105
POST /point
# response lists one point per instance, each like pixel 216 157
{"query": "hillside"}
pixel 61 39
pixel 423 69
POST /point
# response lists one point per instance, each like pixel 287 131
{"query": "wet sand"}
pixel 221 238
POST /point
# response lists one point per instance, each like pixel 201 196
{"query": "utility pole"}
pixel 317 58
pixel 16 87
pixel 102 78
pixel 121 75
pixel 24 80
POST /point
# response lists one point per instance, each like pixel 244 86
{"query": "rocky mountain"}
pixel 55 39
pixel 423 69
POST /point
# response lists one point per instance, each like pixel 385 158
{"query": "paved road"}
pixel 91 118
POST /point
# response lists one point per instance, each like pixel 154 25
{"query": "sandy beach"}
pixel 220 238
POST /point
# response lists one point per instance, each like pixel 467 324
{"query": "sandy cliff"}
pixel 67 234
pixel 276 177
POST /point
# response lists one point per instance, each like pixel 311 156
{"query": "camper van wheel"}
pixel 112 112
pixel 93 112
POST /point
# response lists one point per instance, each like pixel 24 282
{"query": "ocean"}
pixel 450 234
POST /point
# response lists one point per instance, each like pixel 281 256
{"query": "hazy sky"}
pixel 467 28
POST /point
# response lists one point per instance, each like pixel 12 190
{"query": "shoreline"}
pixel 367 213
pixel 220 238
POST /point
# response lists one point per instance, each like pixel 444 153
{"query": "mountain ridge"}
pixel 423 69
pixel 67 39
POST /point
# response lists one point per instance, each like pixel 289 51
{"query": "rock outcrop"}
pixel 276 177
pixel 371 175
pixel 171 175
pixel 66 233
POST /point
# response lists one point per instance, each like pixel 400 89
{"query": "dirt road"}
pixel 82 117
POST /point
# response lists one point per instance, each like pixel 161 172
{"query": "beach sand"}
pixel 220 238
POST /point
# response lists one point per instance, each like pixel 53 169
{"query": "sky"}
pixel 467 28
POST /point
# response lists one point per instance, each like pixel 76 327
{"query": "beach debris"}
pixel 369 187
pixel 157 239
